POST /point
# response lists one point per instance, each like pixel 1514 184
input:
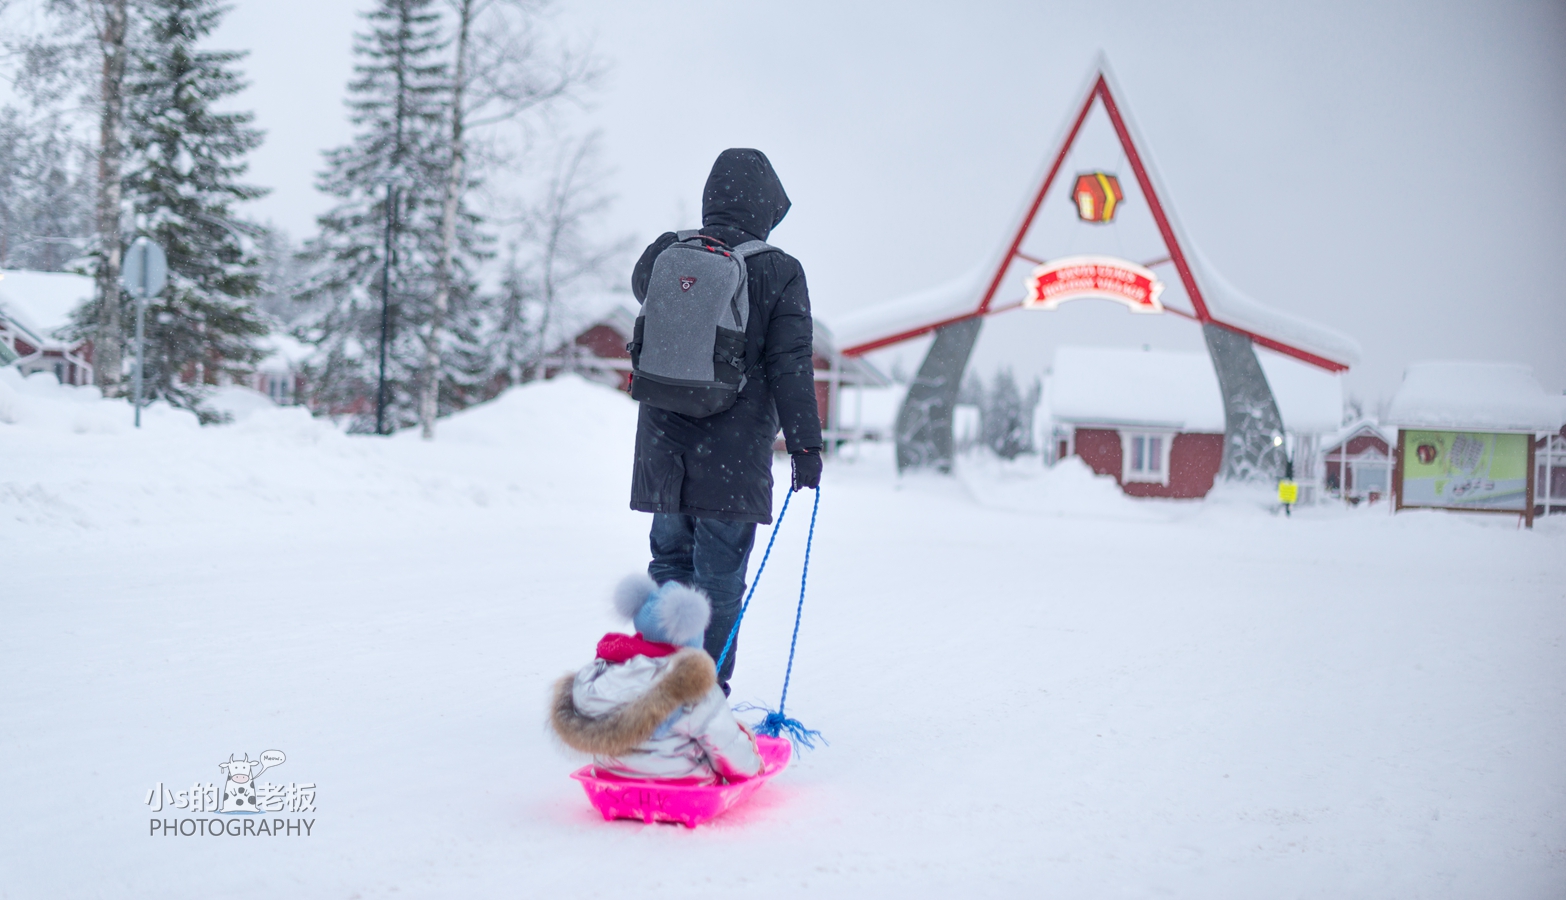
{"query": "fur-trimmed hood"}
pixel 648 692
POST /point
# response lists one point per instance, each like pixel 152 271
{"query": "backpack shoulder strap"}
pixel 752 248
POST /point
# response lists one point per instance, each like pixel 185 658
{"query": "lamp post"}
pixel 386 270
pixel 144 273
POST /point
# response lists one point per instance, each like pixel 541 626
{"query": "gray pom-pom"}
pixel 632 592
pixel 682 612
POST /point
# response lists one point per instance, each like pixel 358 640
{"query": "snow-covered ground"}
pixel 1033 686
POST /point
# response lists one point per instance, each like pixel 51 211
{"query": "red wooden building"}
pixel 1358 462
pixel 1154 419
pixel 35 308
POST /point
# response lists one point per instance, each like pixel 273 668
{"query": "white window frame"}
pixel 1165 443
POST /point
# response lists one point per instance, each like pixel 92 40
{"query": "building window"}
pixel 1145 456
pixel 280 389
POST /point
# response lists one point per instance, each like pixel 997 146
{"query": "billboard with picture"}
pixel 1464 470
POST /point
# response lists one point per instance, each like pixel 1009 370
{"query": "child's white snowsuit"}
pixel 661 717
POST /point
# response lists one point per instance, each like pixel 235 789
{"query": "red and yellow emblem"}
pixel 1097 196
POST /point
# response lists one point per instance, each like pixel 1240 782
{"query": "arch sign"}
pixel 1105 277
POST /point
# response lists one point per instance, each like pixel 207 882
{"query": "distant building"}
pixel 35 310
pixel 279 375
pixel 1477 436
pixel 1357 462
pixel 594 346
pixel 1154 420
pixel 592 340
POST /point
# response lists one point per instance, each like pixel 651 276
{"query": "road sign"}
pixel 145 271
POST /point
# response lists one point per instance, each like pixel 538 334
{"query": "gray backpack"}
pixel 688 352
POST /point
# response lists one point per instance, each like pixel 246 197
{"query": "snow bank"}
pixel 1205 701
pixel 1486 396
pixel 543 417
pixel 39 401
pixel 1070 489
pixel 238 402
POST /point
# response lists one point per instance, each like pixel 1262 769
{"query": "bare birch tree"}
pixel 566 256
pixel 503 67
pixel 91 38
pixel 110 24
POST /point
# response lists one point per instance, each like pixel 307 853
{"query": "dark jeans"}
pixel 709 554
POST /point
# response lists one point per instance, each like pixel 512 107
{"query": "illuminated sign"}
pixel 1097 195
pixel 1105 277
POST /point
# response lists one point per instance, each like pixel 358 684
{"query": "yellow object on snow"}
pixel 1288 491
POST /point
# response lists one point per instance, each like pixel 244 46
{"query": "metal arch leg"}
pixel 924 424
pixel 1251 418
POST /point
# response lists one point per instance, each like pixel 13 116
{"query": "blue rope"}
pixel 777 722
pixel 729 644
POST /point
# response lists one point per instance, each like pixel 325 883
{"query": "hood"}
pixel 744 192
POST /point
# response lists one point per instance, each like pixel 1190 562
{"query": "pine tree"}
pixel 186 159
pixel 1007 417
pixel 400 103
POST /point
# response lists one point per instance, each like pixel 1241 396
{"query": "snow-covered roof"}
pixel 1158 388
pixel 957 297
pixel 1174 389
pixel 1228 305
pixel 283 351
pixel 1352 430
pixel 1486 396
pixel 41 302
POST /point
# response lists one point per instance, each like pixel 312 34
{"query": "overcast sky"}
pixel 1392 170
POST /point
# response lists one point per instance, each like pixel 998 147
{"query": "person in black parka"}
pixel 708 481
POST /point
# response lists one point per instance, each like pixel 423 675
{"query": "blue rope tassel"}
pixel 776 723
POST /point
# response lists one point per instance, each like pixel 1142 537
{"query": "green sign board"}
pixel 1465 470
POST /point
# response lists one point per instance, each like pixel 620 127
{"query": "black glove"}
pixel 807 469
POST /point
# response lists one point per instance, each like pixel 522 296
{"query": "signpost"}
pixel 144 273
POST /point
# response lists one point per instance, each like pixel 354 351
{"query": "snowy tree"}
pixel 282 273
pixel 398 101
pixel 1006 422
pixel 184 180
pixel 563 252
pixel 971 392
pixel 109 21
pixel 89 43
pixel 46 191
pixel 501 68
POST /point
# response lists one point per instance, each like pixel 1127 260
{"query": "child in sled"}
pixel 649 706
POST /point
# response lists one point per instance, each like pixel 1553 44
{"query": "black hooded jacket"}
pixel 720 467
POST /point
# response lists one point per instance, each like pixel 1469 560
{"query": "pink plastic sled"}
pixel 688 804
